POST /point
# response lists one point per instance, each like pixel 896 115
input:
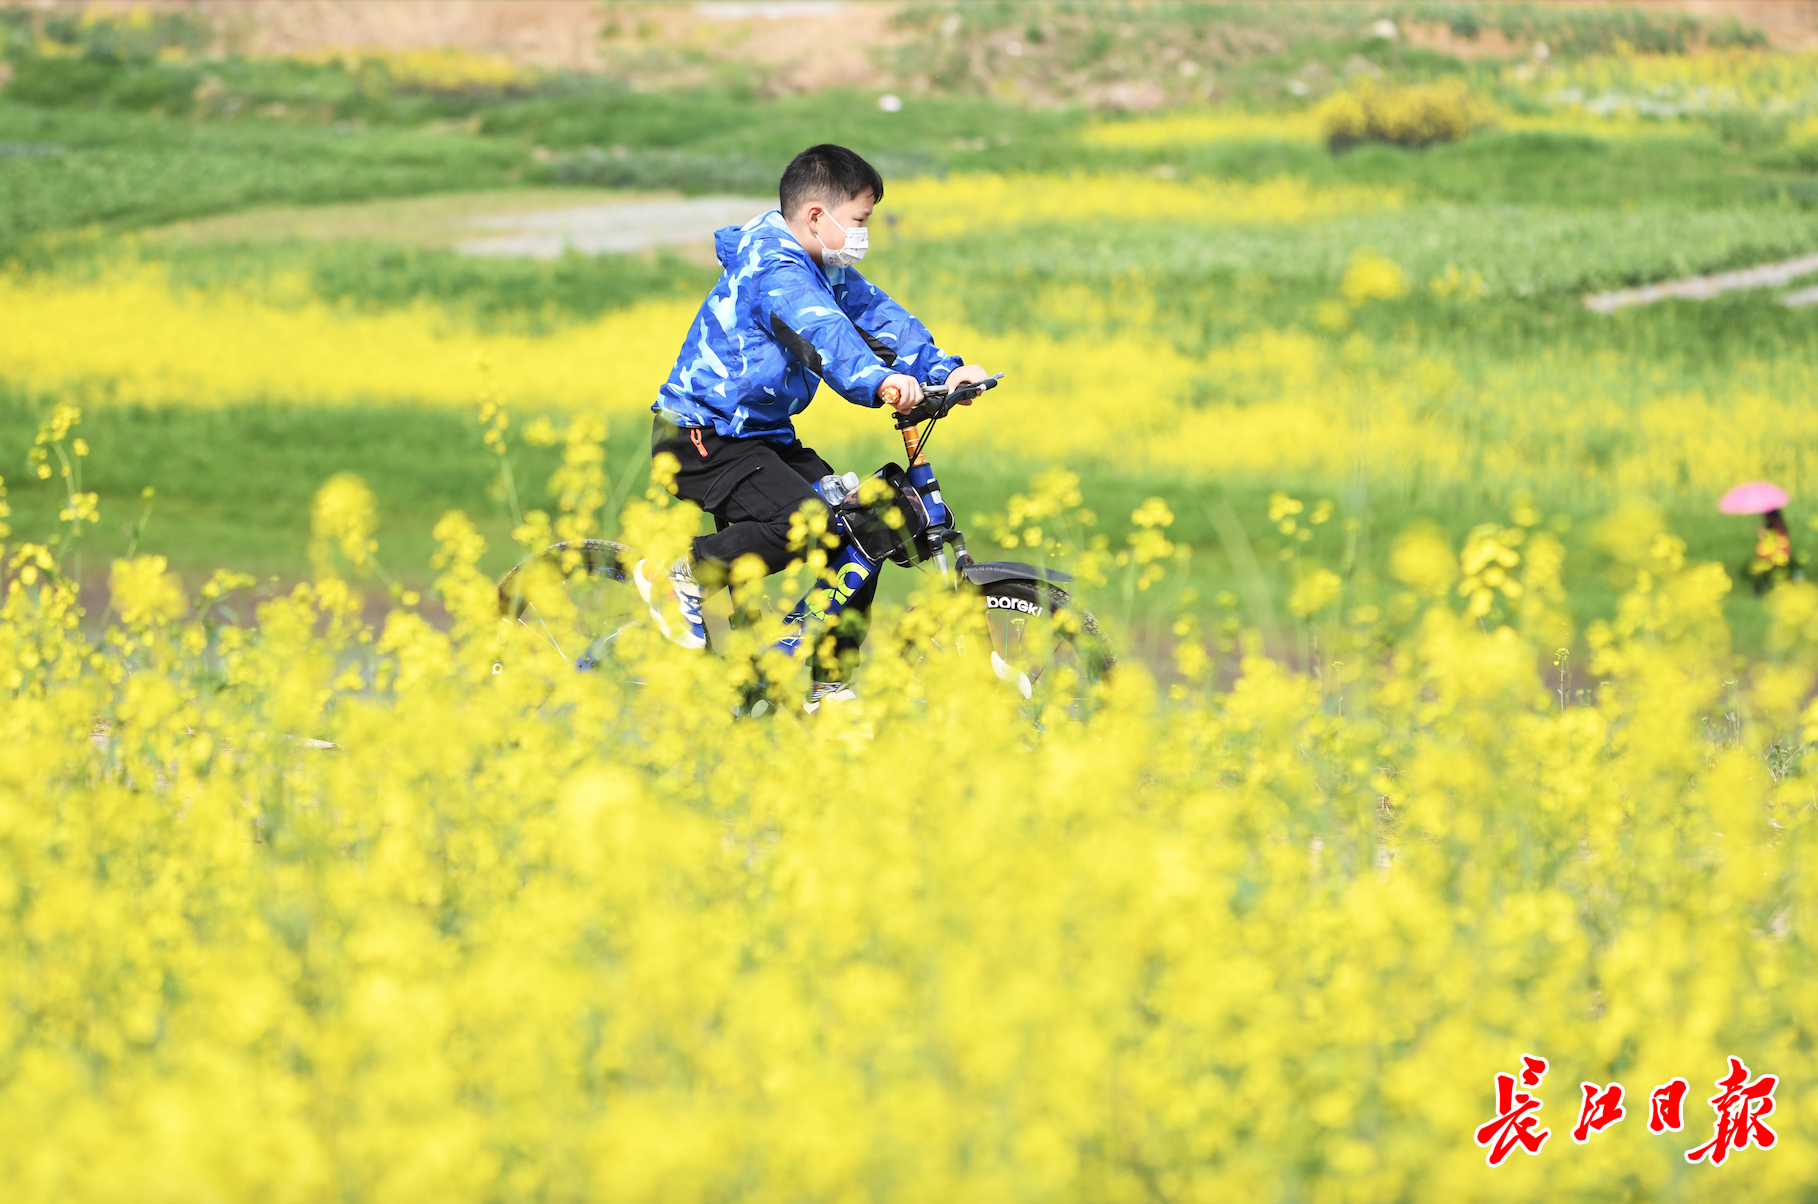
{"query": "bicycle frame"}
pixel 852 568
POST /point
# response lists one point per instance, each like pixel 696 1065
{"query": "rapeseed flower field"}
pixel 130 337
pixel 1672 85
pixel 1445 741
pixel 1308 394
pixel 301 907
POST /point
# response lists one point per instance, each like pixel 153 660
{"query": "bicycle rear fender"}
pixel 990 572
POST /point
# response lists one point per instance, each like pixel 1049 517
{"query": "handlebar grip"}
pixel 938 400
pixel 974 389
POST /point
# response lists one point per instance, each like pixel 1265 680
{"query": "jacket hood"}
pixel 759 237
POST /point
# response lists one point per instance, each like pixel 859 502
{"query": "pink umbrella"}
pixel 1753 497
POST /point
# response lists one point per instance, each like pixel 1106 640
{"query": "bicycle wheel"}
pixel 1040 641
pixel 577 596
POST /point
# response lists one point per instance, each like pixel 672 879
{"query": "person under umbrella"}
pixel 1773 561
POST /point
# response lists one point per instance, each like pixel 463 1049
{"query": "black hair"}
pixel 827 173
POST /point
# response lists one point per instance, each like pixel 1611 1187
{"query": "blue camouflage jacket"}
pixel 775 326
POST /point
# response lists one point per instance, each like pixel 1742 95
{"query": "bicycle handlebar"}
pixel 937 400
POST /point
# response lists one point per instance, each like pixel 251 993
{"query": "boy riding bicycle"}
pixel 788 312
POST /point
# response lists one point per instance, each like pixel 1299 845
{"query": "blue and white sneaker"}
pixel 828 691
pixel 680 588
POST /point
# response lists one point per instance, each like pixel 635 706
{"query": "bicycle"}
pixel 1034 627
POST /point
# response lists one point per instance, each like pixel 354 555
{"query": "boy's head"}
pixel 830 175
pixel 826 196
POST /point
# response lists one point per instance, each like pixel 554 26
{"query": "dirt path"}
pixel 538 222
pixel 1700 288
pixel 632 225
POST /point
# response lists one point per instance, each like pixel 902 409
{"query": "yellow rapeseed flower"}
pixel 301 909
pixel 344 517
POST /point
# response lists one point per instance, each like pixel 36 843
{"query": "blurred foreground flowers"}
pixel 547 935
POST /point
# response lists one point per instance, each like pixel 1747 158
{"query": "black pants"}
pixel 751 487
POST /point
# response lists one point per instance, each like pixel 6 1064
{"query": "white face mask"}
pixel 858 241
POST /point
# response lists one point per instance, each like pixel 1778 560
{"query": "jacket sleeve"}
pixel 886 322
pixel 796 310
